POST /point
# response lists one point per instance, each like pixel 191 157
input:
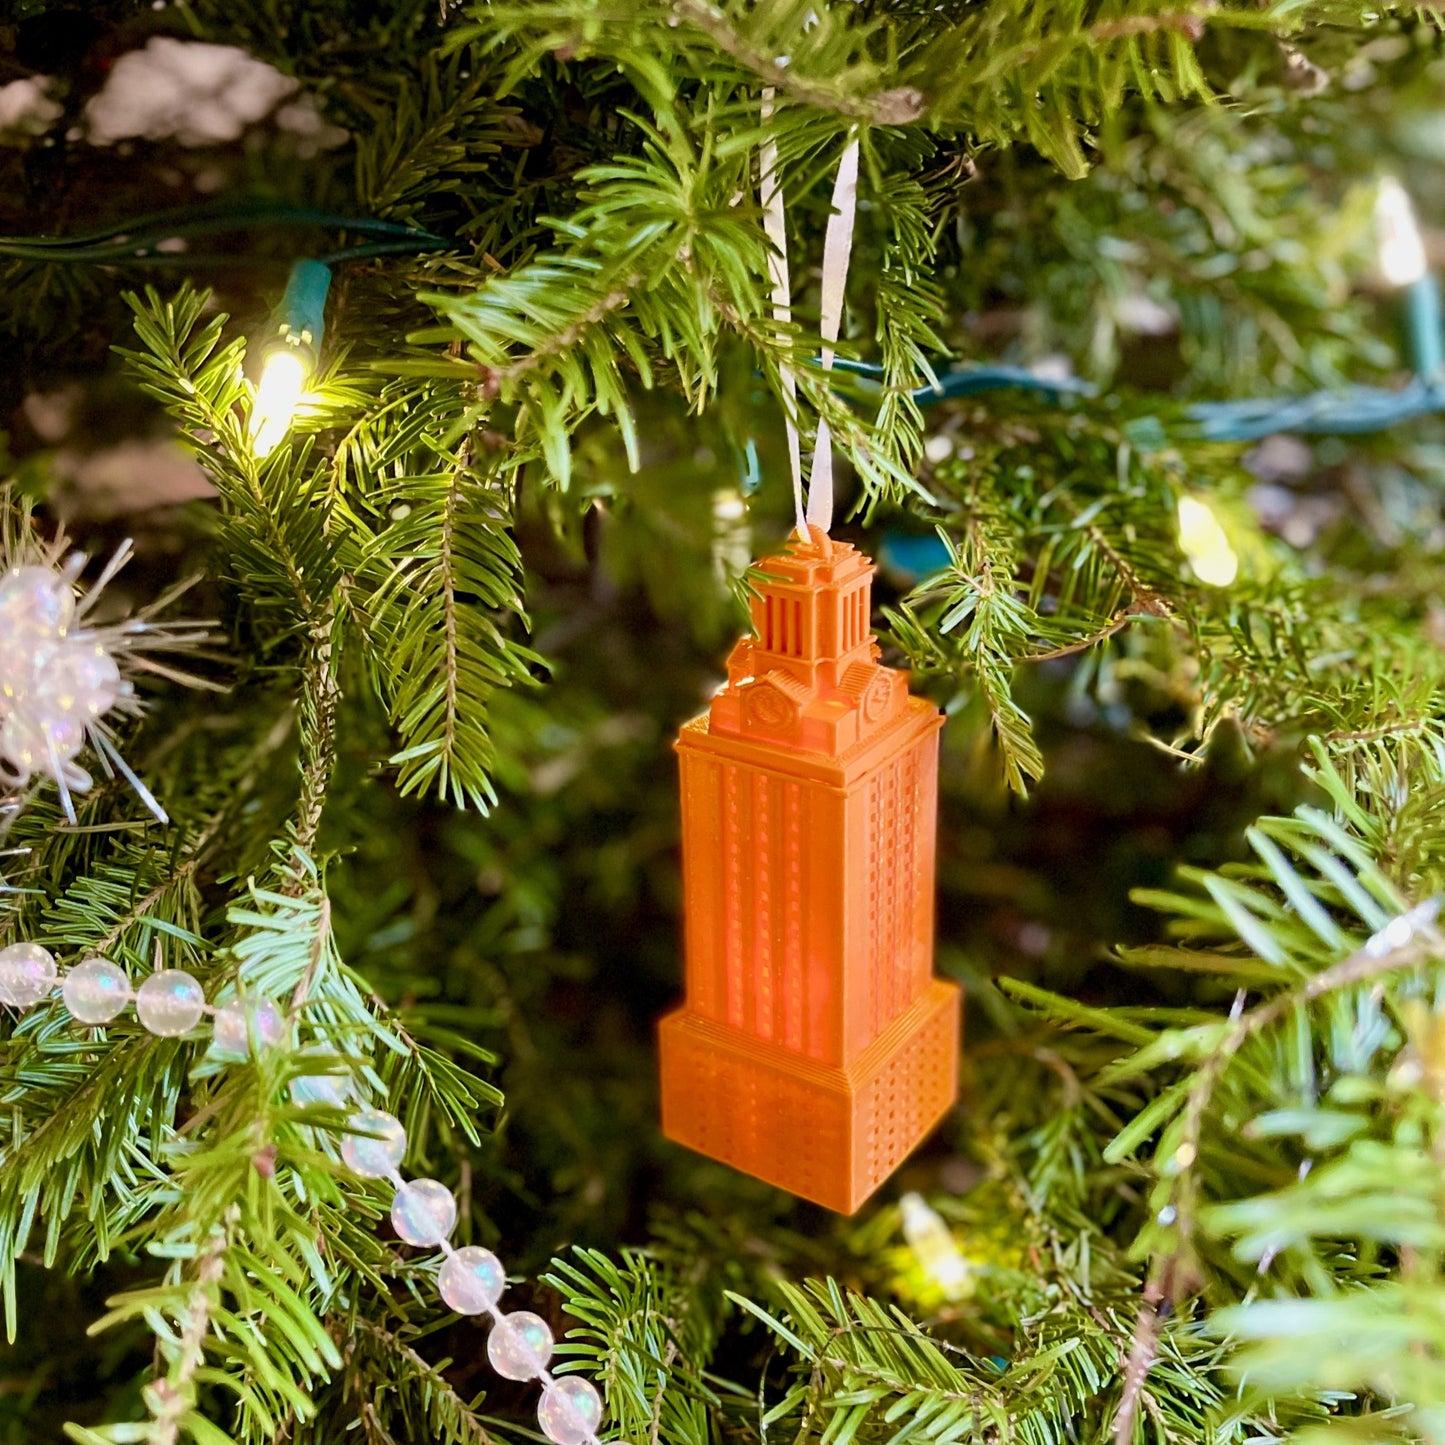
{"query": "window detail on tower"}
pixel 851 634
pixel 783 625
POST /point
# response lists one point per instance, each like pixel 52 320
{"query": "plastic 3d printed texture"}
pixel 815 1048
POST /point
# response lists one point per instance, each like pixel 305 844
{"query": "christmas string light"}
pixel 1204 544
pixel 1358 409
pixel 939 1257
pixel 170 1003
pixel 1403 264
pixel 284 375
pixel 1402 248
pixel 290 359
pixel 63 676
pixel 1353 410
pixel 162 238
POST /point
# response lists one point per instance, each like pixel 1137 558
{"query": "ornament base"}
pixel 852 1126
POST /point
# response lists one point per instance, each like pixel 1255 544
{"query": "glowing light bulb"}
pixel 732 538
pixel 1204 544
pixel 933 1245
pixel 283 382
pixel 1402 249
pixel 728 505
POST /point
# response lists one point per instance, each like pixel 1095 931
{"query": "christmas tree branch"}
pixel 443 1407
pixel 575 374
pixel 319 699
pixel 899 106
pixel 172 1397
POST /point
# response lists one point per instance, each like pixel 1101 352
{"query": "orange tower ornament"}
pixel 815 1048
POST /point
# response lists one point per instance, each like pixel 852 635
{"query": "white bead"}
pixel 570 1411
pixel 423 1211
pixel 35 598
pixel 471 1280
pixel 27 974
pixel 373 1158
pixel 328 1089
pixel 520 1345
pixel 233 1025
pixel 170 1003
pixel 95 991
pixel 34 742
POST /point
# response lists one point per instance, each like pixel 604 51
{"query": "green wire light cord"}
pixel 1352 410
pixel 199 260
pixel 137 239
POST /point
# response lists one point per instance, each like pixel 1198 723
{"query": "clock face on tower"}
pixel 878 700
pixel 768 707
pixel 815 1047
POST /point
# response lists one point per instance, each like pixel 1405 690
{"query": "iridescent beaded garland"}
pixel 170 1003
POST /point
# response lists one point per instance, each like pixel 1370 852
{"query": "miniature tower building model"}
pixel 815 1048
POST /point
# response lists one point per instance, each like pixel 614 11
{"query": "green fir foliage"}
pixel 1191 828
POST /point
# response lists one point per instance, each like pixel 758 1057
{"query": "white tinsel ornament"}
pixel 63 677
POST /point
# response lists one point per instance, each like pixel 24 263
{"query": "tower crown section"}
pixel 809 678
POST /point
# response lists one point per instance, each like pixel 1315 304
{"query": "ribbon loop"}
pixel 837 248
pixel 775 226
pixel 817 509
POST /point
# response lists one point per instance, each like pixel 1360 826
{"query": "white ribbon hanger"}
pixel 817 510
